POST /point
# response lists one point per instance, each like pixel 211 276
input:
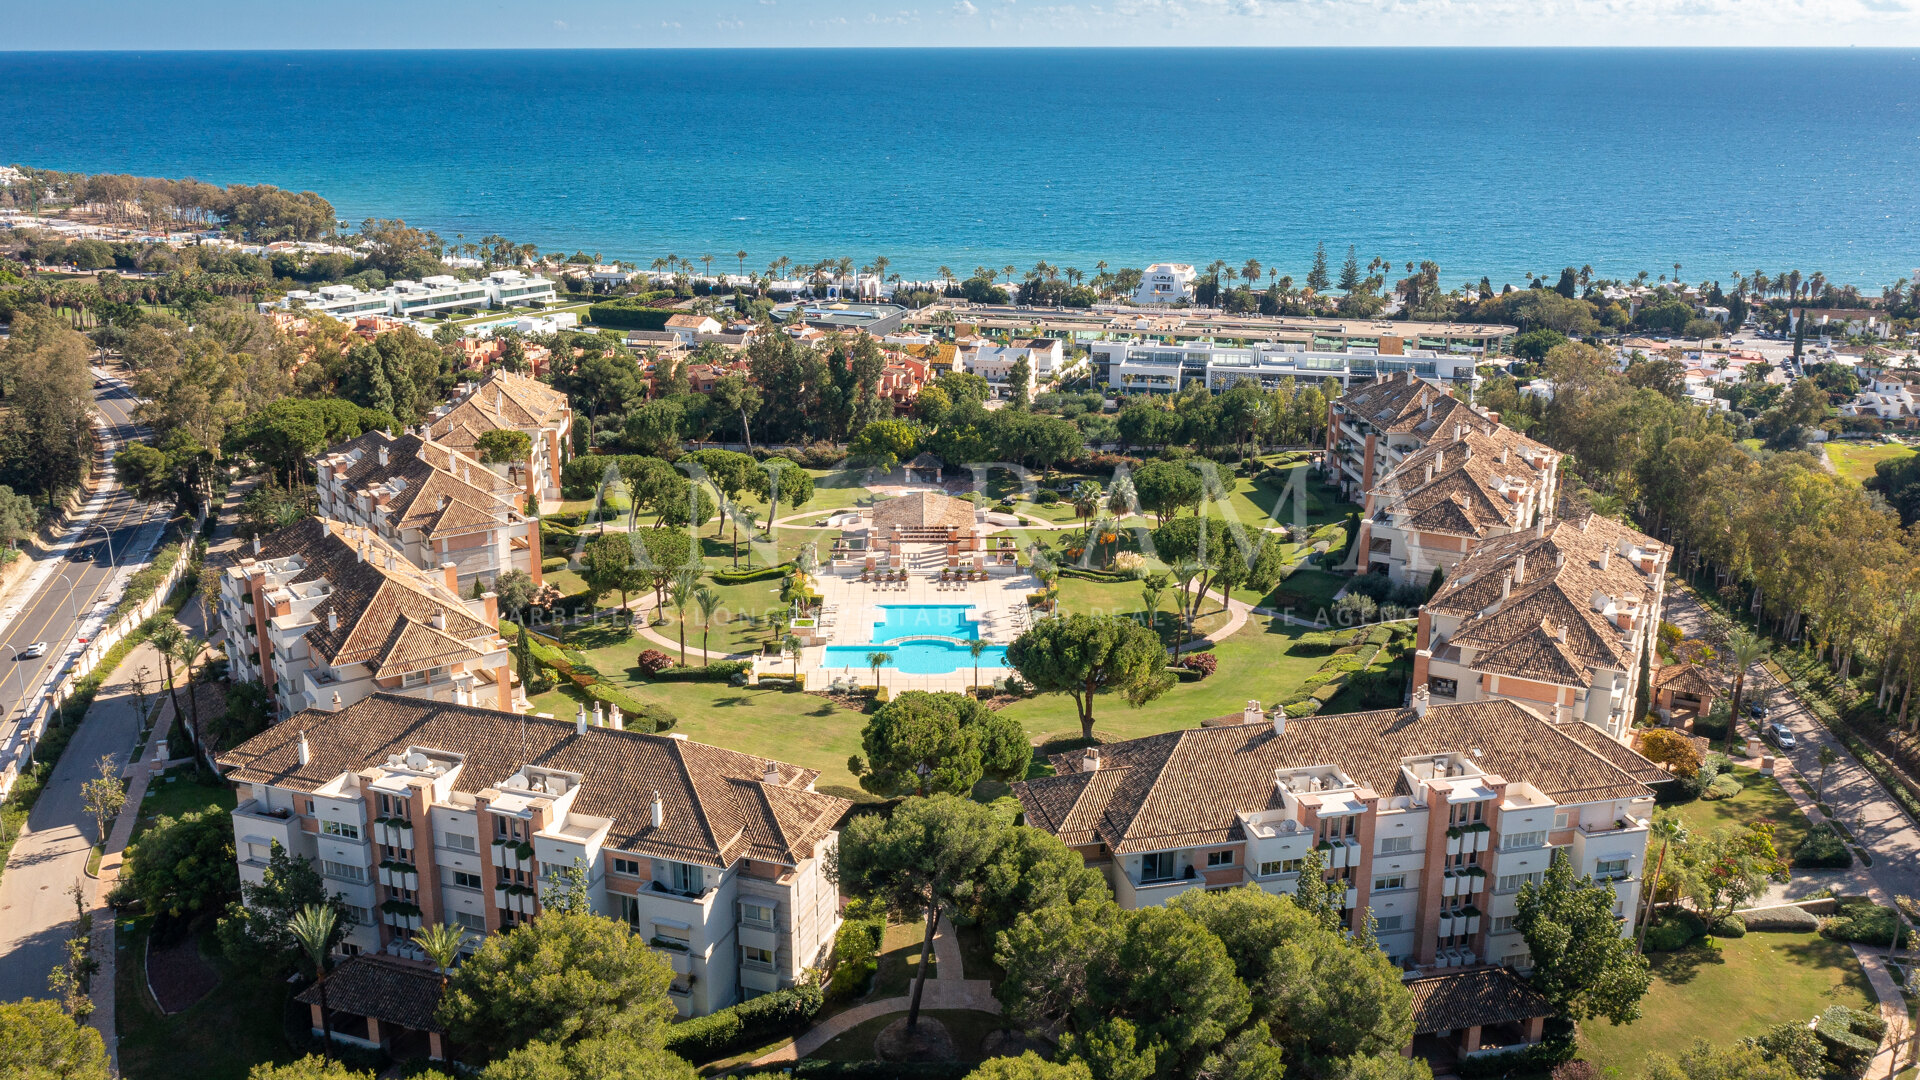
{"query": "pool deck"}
pixel 1000 608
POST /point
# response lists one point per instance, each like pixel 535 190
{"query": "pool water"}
pixel 916 657
pixel 919 657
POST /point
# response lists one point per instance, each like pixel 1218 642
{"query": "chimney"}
pixel 1493 416
pixel 579 719
pixel 452 575
pixel 1560 635
pixel 1606 557
pixel 659 810
pixel 1421 699
pixel 333 623
pixel 1090 761
pixel 305 751
pixel 1252 714
pixel 383 454
pixel 439 620
pixel 1279 721
pixel 772 775
pixel 1506 585
pixel 1540 533
pixel 360 552
pixel 613 716
pixel 1519 568
pixel 336 700
pixel 256 545
pixel 1502 459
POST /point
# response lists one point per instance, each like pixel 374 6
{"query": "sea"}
pixel 1491 162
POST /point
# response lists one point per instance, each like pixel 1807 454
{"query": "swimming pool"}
pixel 897 621
pixel 916 657
pixel 906 620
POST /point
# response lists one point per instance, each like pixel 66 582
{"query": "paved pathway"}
pixel 948 989
pixel 1870 813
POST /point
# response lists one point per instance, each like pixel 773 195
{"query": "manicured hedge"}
pixel 1674 929
pixel 1730 927
pixel 748 1024
pixel 1850 1036
pixel 717 671
pixel 627 315
pixel 1823 849
pixel 1556 1047
pixel 748 577
pixel 1865 922
pixel 1086 574
pixel 1788 920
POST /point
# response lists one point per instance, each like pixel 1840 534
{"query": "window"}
pixel 1519 960
pixel 1219 858
pixel 340 829
pixel 359 916
pixel 1610 869
pixel 1396 845
pixel 475 923
pixel 309 807
pixel 756 959
pixel 1386 924
pixel 753 911
pixel 460 879
pixel 629 867
pixel 1503 924
pixel 1512 882
pixel 630 911
pixel 1560 819
pixel 1390 883
pixel 1445 688
pixel 343 871
pixel 1523 840
pixel 1157 866
pixel 1284 866
pixel 454 841
pixel 683 878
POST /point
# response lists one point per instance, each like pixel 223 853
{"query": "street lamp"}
pixel 112 563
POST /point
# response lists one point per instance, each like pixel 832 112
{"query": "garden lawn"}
pixel 177 792
pixel 1253 664
pixel 1306 593
pixel 969 1030
pixel 1738 987
pixel 1760 797
pixel 220 1037
pixel 1253 504
pixel 1082 597
pixel 1855 460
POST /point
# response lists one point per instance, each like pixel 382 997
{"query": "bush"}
pixel 1314 644
pixel 1730 927
pixel 718 671
pixel 1723 786
pixel 1673 929
pixel 748 577
pixel 1823 849
pixel 750 1023
pixel 1203 662
pixel 653 661
pixel 1047 497
pixel 553 565
pixel 1576 1070
pixel 1865 922
pixel 1556 1048
pixel 629 315
pixel 1845 1034
pixel 1790 920
pixel 855 949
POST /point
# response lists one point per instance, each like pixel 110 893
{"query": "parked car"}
pixel 1757 710
pixel 33 652
pixel 1780 736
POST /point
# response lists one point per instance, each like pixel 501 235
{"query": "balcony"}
pixel 659 888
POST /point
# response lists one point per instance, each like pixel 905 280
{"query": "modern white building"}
pixel 425 812
pixel 1134 367
pixel 412 299
pixel 1165 283
pixel 995 362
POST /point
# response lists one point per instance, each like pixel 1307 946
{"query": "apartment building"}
pixel 505 401
pixel 1165 283
pixel 1371 429
pixel 1559 617
pixel 1431 817
pixel 994 362
pixel 1136 367
pixel 1463 486
pixel 429 295
pixel 422 812
pixel 433 505
pixel 324 613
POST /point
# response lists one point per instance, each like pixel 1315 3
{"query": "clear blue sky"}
pixel 413 24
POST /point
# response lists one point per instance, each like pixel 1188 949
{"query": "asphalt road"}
pixel 52 613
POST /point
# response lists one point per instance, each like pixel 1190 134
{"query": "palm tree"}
pixel 877 660
pixel 790 644
pixel 680 595
pixel 165 639
pixel 708 601
pixel 1667 829
pixel 742 256
pixel 441 942
pixel 313 929
pixel 1746 649
pixel 976 647
pixel 748 517
pixel 1086 498
pixel 1150 594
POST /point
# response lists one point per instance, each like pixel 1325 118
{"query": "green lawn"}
pixel 1760 798
pixel 968 1029
pixel 1732 988
pixel 1855 460
pixel 177 792
pixel 1306 593
pixel 1253 504
pixel 220 1037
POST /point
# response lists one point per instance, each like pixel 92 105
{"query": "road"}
pixel 78 582
pixel 51 855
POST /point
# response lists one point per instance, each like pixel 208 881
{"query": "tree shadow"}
pixel 1684 966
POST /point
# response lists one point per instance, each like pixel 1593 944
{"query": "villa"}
pixel 1165 283
pixel 1444 498
pixel 1429 817
pixel 426 812
pixel 412 299
pixel 509 402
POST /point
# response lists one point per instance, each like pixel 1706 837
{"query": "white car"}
pixel 33 652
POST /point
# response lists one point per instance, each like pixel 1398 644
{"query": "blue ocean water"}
pixel 1495 162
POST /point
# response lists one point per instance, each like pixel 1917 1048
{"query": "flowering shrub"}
pixel 653 661
pixel 1203 662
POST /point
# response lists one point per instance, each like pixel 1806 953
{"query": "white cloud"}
pixel 731 24
pixel 561 24
pixel 665 25
pixel 965 9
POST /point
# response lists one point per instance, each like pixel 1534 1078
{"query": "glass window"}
pixel 475 923
pixel 1157 866
pixel 1610 869
pixel 756 958
pixel 1219 858
pixel 359 916
pixel 1560 819
pixel 454 841
pixel 1389 923
pixel 343 871
pixel 1396 845
pixel 1511 882
pixel 1523 840
pixel 629 867
pixel 756 912
pixel 1390 883
pixel 460 879
pixel 1503 923
pixel 340 829
pixel 630 911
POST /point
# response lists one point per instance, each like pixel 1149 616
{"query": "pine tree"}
pixel 1317 277
pixel 1350 271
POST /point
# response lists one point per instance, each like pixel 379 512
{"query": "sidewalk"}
pixel 948 989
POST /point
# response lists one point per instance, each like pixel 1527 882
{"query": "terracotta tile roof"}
pixel 1527 598
pixel 1628 759
pixel 1471 468
pixel 1480 997
pixel 1405 403
pixel 1184 788
pixel 922 509
pixel 718 807
pixel 502 400
pixel 368 599
pixel 1687 679
pixel 415 646
pixel 389 990
pixel 429 487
